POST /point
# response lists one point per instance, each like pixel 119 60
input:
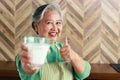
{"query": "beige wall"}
pixel 93 27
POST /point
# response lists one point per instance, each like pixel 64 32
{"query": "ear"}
pixel 35 25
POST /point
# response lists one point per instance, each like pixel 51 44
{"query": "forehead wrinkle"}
pixel 53 20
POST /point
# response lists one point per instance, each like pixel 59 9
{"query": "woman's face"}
pixel 51 25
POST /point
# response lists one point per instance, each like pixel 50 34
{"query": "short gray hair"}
pixel 40 11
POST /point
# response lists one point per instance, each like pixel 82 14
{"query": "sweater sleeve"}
pixel 23 75
pixel 85 74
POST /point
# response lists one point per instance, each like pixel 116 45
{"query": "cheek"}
pixel 60 30
pixel 42 27
pixel 43 31
pixel 46 29
pixel 39 30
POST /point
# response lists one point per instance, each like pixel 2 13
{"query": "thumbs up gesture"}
pixel 68 54
pixel 66 50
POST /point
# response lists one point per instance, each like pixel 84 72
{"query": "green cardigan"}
pixel 55 65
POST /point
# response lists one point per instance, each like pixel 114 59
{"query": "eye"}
pixel 59 22
pixel 48 22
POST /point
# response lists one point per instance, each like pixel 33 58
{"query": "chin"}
pixel 52 40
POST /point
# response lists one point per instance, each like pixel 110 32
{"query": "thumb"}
pixel 65 41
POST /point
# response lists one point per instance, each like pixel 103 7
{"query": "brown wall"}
pixel 93 27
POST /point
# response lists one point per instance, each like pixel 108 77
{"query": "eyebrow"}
pixel 52 20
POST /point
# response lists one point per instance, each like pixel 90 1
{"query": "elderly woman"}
pixel 62 62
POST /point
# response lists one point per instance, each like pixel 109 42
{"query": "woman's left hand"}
pixel 66 51
pixel 70 55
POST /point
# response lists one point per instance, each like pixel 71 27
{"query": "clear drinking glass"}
pixel 38 48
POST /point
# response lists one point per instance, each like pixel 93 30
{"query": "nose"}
pixel 54 27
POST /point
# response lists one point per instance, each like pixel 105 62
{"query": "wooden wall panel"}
pixel 23 15
pixel 7 30
pixel 110 31
pixel 92 27
pixel 74 27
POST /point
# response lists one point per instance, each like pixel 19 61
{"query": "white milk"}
pixel 38 52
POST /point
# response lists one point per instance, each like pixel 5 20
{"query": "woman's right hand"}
pixel 26 60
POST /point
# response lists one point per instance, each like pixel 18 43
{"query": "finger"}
pixel 62 50
pixel 66 56
pixel 48 51
pixel 25 57
pixel 66 41
pixel 30 69
pixel 24 60
pixel 23 47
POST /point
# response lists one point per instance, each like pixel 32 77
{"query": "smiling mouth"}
pixel 53 34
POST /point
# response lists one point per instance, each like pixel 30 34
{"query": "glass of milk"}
pixel 38 48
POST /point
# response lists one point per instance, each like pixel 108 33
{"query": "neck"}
pixel 52 41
